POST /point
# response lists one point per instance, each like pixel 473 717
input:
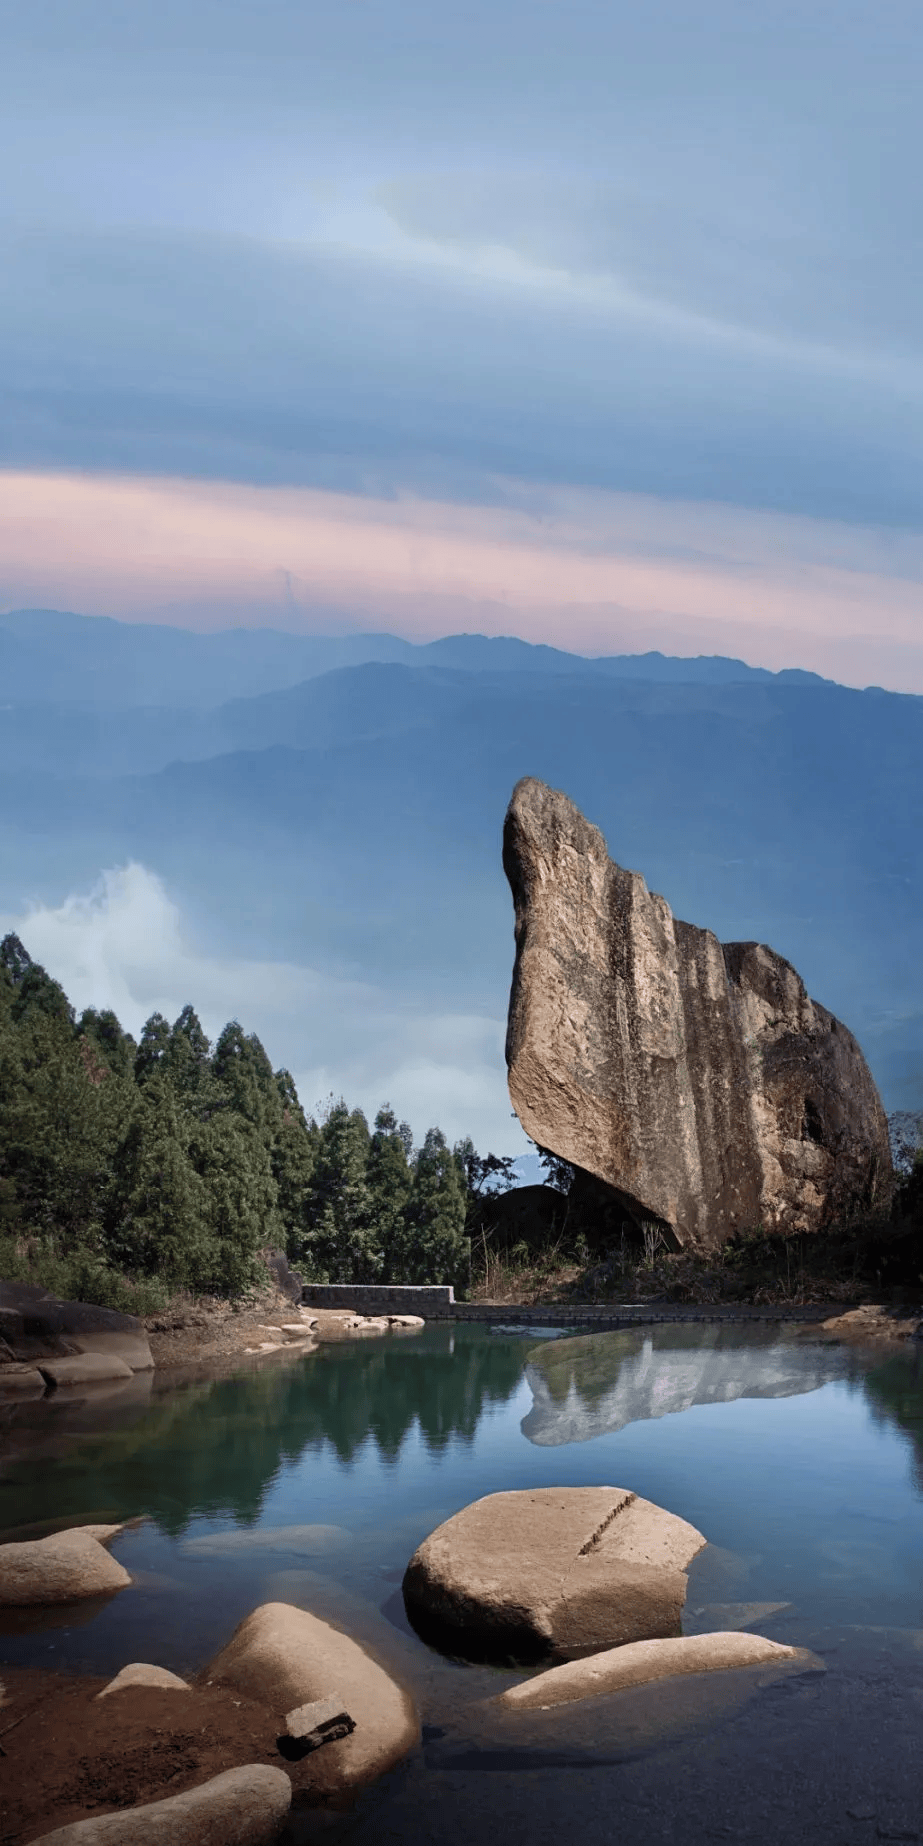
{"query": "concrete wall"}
pixel 371 1300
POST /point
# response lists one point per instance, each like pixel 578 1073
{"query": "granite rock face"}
pixel 697 1080
pixel 286 1657
pixel 552 1571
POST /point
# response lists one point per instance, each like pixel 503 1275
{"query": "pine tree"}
pixel 431 1245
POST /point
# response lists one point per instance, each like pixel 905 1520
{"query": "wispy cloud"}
pixel 126 945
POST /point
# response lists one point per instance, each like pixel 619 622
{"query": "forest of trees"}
pixel 175 1162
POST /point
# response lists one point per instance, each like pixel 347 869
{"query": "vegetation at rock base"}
pixel 129 1171
pixel 132 1171
pixel 524 1255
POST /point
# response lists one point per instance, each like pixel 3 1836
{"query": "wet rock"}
pixel 62 1568
pixel 286 1658
pixel 141 1673
pixel 643 1661
pixel 552 1571
pixel 84 1368
pixel 23 1380
pixel 697 1081
pixel 242 1807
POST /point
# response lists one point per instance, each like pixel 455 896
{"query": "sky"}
pixel 595 324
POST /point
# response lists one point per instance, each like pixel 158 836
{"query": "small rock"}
pixel 317 1715
pixel 140 1673
pixel 643 1661
pixel 310 1726
pixel 61 1568
pixel 242 1807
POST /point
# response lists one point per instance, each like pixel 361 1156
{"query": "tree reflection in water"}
pixel 213 1448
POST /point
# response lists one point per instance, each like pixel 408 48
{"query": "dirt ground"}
pixel 68 1756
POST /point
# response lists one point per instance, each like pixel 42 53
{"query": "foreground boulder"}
pixel 63 1568
pixel 643 1661
pixel 696 1079
pixel 287 1658
pixel 242 1807
pixel 552 1571
pixel 143 1673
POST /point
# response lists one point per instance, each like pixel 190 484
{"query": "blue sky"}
pixel 476 258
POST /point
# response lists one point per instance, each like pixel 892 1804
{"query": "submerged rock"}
pixel 643 1661
pixel 242 1807
pixel 552 1571
pixel 62 1568
pixel 286 1658
pixel 696 1079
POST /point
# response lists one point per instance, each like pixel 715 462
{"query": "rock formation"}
pixel 559 1571
pixel 643 1661
pixel 62 1568
pixel 285 1657
pixel 696 1079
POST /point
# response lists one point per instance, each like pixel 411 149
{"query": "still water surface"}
pixel 801 1463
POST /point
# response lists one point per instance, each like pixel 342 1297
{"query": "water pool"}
pixel 802 1463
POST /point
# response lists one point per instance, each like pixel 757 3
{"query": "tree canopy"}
pixel 175 1162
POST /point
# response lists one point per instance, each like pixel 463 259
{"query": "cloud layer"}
pixel 593 571
pixel 125 945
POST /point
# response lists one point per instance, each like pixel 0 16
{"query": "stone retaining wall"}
pixel 433 1303
pixel 628 1315
pixel 437 1303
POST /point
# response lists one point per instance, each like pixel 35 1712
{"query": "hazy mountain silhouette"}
pixel 353 819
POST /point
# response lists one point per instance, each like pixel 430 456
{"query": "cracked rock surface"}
pixel 552 1572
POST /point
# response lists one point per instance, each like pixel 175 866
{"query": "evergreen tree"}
pixel 432 1246
pixel 340 1243
pixel 389 1181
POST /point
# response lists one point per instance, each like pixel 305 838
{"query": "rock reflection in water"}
pixel 592 1386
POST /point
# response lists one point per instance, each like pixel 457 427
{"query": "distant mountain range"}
pixel 339 801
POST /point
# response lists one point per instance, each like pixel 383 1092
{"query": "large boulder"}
pixel 696 1079
pixel 63 1568
pixel 285 1658
pixel 36 1324
pixel 242 1807
pixel 552 1571
pixel 643 1661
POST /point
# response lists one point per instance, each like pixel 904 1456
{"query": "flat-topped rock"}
pixel 552 1571
pixel 286 1658
pixel 242 1807
pixel 62 1568
pixel 696 1080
